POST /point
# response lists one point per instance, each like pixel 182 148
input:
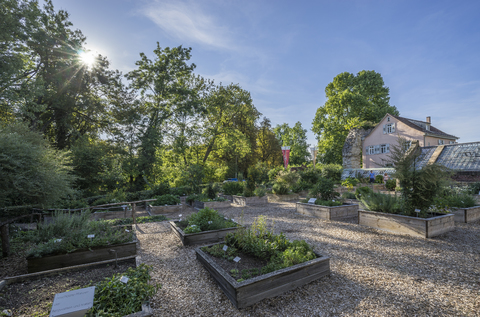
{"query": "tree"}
pixel 352 101
pixel 268 146
pixel 33 173
pixel 164 91
pixel 296 139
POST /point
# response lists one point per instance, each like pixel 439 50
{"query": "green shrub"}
pixel 165 200
pixel 474 188
pixel 209 191
pixel 349 182
pixel 301 185
pixel 160 189
pixel 115 298
pixel 379 179
pixel 458 201
pixel 329 203
pixel 362 191
pixel 280 189
pixel 310 176
pixel 207 219
pixel 129 221
pixel 260 191
pixel 382 203
pixel 73 231
pixel 349 195
pixel 324 188
pixel 232 188
pixel 391 184
pixel 273 173
pixel 181 190
pixel 332 171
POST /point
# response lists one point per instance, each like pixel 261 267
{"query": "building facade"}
pixel 377 144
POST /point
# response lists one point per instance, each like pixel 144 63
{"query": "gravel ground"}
pixel 373 273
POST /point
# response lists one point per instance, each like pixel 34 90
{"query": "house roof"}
pixel 458 157
pixel 421 126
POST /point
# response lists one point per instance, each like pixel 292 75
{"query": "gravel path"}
pixel 373 273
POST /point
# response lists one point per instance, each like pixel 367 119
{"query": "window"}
pixel 388 119
pixel 452 142
pixel 441 142
pixel 408 144
pixel 377 149
pixel 384 148
pixel 389 128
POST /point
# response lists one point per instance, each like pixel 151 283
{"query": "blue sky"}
pixel 286 52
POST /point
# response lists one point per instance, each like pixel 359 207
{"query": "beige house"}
pixel 376 145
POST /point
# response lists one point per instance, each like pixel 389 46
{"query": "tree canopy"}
pixel 296 138
pixel 352 101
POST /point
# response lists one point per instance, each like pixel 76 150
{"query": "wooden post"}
pixel 5 242
pixel 133 213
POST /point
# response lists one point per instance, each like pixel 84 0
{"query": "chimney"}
pixel 429 121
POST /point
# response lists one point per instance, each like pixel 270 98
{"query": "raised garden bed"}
pixel 467 215
pixel 203 237
pixel 272 198
pixel 253 290
pixel 249 201
pixel 414 226
pixel 228 197
pixel 328 213
pixel 108 215
pixel 81 256
pixel 158 210
pixel 212 204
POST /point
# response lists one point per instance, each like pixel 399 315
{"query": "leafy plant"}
pixel 363 191
pixel 210 191
pixel 115 298
pixel 382 203
pixel 379 179
pixel 349 182
pixel 167 199
pixel 332 171
pixel 349 195
pixel 280 189
pixel 324 188
pixel 391 184
pixel 181 190
pixel 129 221
pixel 260 191
pixel 329 203
pixel 232 188
pixel 474 188
pixel 207 219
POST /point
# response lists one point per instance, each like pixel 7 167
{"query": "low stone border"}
pixel 247 201
pixel 204 237
pixel 419 227
pixel 251 291
pixel 467 215
pixel 328 213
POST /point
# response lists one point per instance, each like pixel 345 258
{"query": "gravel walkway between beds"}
pixel 373 272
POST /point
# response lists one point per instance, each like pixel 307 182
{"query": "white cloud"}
pixel 188 21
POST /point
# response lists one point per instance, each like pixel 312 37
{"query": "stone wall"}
pixel 352 148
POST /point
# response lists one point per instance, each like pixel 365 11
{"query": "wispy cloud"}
pixel 189 21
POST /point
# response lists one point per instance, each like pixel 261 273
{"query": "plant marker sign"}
pixel 73 303
pixel 225 248
pixel 286 155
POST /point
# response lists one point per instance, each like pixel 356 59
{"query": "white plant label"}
pixel 127 230
pixel 311 200
pixel 91 236
pixel 58 240
pixel 237 259
pixel 124 279
pixel 225 248
pixel 233 219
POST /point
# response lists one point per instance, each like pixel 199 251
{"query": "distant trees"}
pixel 296 139
pixel 352 101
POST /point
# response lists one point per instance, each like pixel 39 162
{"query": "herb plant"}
pixel 204 220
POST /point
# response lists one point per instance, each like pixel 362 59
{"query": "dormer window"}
pixel 388 119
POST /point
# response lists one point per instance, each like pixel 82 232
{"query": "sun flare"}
pixel 87 58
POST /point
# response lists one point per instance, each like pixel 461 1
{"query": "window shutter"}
pixel 388 148
pixel 393 127
pixel 384 129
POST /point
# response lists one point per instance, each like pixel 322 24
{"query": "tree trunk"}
pixel 5 242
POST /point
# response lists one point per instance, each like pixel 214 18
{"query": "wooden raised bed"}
pixel 229 197
pixel 414 226
pixel 158 210
pixel 272 198
pixel 467 215
pixel 204 237
pixel 328 213
pixel 81 256
pixel 251 291
pixel 249 201
pixel 212 204
pixel 108 215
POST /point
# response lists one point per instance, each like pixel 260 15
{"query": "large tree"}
pixel 296 139
pixel 352 101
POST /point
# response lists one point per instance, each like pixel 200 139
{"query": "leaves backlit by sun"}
pixel 87 58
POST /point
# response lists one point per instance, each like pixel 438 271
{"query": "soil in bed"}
pixel 35 297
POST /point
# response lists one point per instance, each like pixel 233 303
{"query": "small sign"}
pixel 180 215
pixel 225 248
pixel 58 240
pixel 127 230
pixel 73 303
pixel 124 279
pixel 312 200
pixel 233 220
pixel 91 236
pixel 333 200
pixel 237 259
